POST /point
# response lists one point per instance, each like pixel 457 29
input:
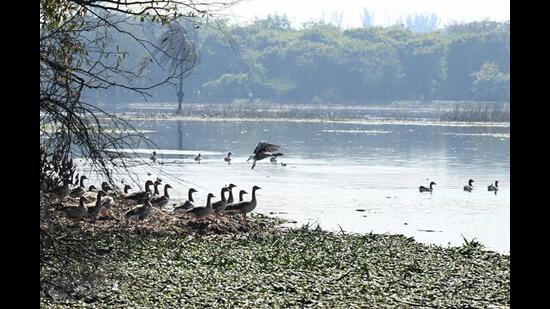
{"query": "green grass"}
pixel 295 268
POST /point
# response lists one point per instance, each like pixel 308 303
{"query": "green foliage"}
pixel 323 63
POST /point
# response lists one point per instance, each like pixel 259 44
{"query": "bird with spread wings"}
pixel 262 151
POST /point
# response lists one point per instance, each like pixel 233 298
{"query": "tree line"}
pixel 269 60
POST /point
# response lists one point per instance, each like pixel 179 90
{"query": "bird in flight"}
pixel 262 151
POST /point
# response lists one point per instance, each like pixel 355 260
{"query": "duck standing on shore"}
pixel 424 189
pixel 80 190
pixel 188 205
pixel 244 207
pixel 139 197
pixel 220 205
pixel 140 212
pixel 161 201
pixel 202 212
pixel 469 186
pixel 230 199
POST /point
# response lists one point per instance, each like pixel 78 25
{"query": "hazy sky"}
pixel 385 12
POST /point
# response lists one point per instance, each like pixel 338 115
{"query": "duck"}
pixel 156 186
pixel 469 186
pixel 493 188
pixel 140 196
pixel 245 206
pixel 75 180
pixel 230 199
pixel 94 210
pixel 154 157
pixel 161 201
pixel 241 193
pixel 263 150
pixel 228 158
pixel 220 205
pixel 80 190
pixel 198 158
pixel 202 212
pixel 140 212
pixel 241 198
pixel 61 192
pixel 424 189
pixel 77 212
pixel 189 204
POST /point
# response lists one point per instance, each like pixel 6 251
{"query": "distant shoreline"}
pixel 372 121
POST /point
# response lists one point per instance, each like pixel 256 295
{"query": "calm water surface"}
pixel 334 169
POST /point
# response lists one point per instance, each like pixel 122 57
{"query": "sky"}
pixel 386 12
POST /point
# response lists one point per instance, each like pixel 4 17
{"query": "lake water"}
pixel 333 169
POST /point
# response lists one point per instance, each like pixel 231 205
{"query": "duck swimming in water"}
pixel 262 151
pixel 493 188
pixel 424 189
pixel 469 186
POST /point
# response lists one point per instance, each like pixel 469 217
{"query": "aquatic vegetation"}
pixel 299 267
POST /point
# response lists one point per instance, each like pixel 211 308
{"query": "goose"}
pixel 75 180
pixel 493 188
pixel 189 204
pixel 202 212
pixel 273 160
pixel 106 187
pixel 469 186
pixel 161 201
pixel 228 158
pixel 61 192
pixel 230 199
pixel 80 190
pixel 140 212
pixel 77 212
pixel 94 210
pixel 283 164
pixel 241 193
pixel 245 206
pixel 156 186
pixel 263 150
pixel 220 205
pixel 241 198
pixel 198 158
pixel 92 188
pixel 424 189
pixel 154 157
pixel 140 196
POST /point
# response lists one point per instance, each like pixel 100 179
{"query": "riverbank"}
pixel 263 265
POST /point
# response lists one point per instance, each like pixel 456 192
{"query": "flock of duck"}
pixel 263 150
pixel 469 187
pixel 103 199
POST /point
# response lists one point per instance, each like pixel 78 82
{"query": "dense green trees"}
pixel 271 61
